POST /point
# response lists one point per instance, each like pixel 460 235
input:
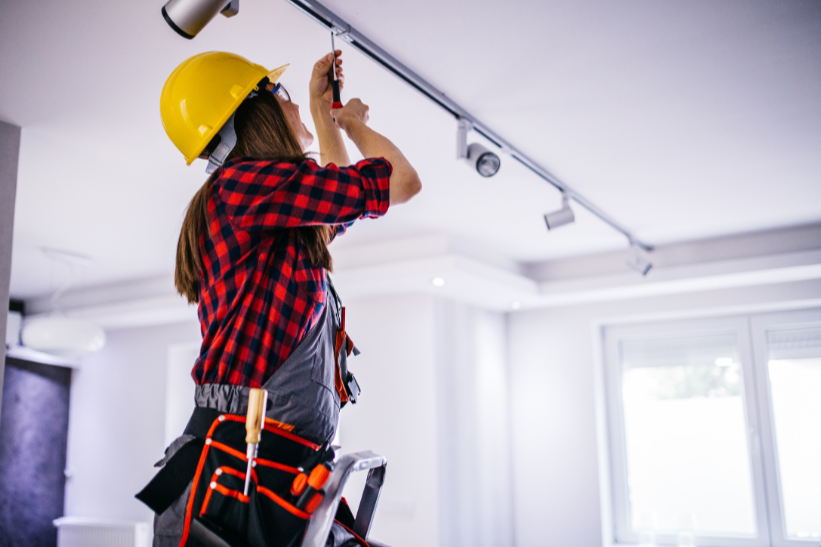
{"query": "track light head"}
pixel 637 260
pixel 562 216
pixel 486 162
pixel 480 158
pixel 189 17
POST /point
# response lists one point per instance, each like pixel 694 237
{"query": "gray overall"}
pixel 301 393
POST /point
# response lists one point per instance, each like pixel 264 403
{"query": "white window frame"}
pixel 751 333
pixel 615 416
pixel 759 325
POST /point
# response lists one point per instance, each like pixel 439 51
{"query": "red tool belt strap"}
pixel 268 515
pixel 342 340
pixel 211 428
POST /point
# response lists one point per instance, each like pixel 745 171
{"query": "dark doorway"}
pixel 33 435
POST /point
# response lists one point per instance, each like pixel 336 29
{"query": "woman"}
pixel 253 253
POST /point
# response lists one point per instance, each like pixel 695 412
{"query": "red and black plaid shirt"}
pixel 260 295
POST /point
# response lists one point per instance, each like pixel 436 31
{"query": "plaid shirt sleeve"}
pixel 260 195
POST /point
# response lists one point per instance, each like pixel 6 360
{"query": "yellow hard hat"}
pixel 202 93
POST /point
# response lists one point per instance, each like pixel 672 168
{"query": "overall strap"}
pixel 339 311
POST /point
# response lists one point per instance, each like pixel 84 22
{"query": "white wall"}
pixel 117 421
pixel 434 402
pixel 476 491
pixel 553 365
pixel 179 386
pixel 396 415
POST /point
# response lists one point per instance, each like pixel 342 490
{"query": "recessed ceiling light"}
pixel 515 304
pixel 438 281
pixel 724 361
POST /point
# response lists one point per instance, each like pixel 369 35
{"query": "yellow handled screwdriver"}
pixel 254 423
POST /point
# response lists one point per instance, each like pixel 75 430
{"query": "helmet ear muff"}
pixel 228 140
pixel 223 142
pixel 210 147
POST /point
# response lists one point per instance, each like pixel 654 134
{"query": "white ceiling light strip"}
pixel 341 28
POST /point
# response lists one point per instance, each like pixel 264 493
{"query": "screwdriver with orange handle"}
pixel 307 489
pixel 254 423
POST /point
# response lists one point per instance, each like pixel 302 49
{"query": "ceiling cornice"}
pixel 410 266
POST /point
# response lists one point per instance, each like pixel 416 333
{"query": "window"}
pixel 788 360
pixel 715 431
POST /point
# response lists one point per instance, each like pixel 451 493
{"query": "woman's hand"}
pixel 354 112
pixel 320 89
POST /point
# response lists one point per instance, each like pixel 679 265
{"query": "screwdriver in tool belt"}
pixel 335 82
pixel 254 423
pixel 306 490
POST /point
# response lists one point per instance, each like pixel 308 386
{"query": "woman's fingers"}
pixel 322 74
pixel 340 74
pixel 324 64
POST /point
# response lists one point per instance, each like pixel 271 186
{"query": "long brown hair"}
pixel 263 133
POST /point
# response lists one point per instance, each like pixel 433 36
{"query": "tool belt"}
pixel 214 463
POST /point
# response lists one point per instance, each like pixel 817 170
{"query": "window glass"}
pixel 688 460
pixel 794 370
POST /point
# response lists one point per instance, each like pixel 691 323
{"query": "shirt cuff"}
pixel 376 179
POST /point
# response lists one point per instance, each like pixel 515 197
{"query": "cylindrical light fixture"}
pixel 562 216
pixel 483 160
pixel 480 158
pixel 62 336
pixel 189 17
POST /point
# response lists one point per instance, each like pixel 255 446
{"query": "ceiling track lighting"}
pixel 562 216
pixel 332 21
pixel 477 156
pixel 189 17
pixel 638 260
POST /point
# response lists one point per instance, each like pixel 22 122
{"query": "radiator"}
pixel 90 532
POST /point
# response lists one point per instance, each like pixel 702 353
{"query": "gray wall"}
pixel 33 434
pixel 9 154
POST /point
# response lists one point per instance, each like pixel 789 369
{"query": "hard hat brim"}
pixel 273 77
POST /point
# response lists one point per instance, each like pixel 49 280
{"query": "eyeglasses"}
pixel 281 92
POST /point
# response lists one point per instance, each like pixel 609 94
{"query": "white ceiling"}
pixel 681 120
